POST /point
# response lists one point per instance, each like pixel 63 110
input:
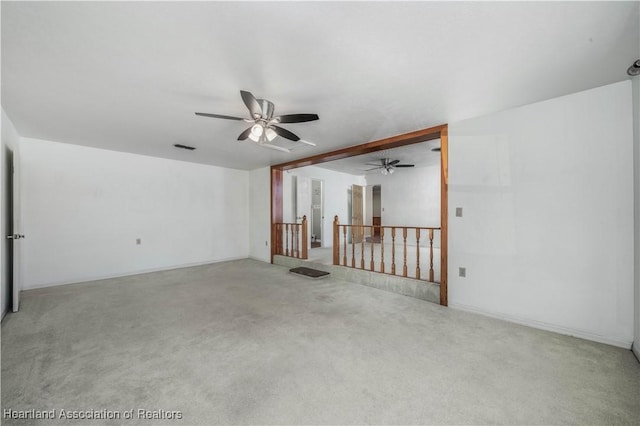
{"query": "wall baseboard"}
pixel 259 259
pixel 128 274
pixel 544 326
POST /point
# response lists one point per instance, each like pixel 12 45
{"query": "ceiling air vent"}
pixel 179 145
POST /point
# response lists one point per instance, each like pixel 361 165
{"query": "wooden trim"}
pixel 276 208
pixel 387 143
pixel 444 208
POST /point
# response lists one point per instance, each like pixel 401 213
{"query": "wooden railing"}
pixel 291 239
pixel 351 249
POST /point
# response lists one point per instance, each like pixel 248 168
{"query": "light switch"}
pixel 462 272
pixel 458 211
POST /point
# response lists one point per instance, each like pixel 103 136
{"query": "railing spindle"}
pixel 294 226
pixel 382 250
pixel 353 249
pixel 344 232
pixel 393 250
pixel 286 239
pixel 404 266
pixel 431 255
pixel 371 264
pixel 304 239
pixel 336 240
pixel 362 246
pixel 417 253
pixel 300 240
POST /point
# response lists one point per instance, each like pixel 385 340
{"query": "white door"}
pixel 303 202
pixel 14 237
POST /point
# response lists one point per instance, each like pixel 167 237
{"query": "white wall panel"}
pixel 547 227
pixel 84 208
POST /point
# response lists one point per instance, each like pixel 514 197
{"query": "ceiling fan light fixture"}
pixel 270 134
pixel 384 171
pixel 263 128
pixel 257 130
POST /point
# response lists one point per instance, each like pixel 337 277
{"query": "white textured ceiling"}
pixel 129 76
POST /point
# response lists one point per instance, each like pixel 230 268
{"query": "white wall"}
pixel 410 196
pixel 259 214
pixel 336 186
pixel 83 209
pixel 547 227
pixel 636 197
pixel 10 143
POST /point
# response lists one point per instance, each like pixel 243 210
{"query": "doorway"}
pixel 317 213
pixel 11 256
pixel 376 211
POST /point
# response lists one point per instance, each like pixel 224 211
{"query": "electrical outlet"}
pixel 266 243
pixel 462 272
pixel 458 211
pixel 138 241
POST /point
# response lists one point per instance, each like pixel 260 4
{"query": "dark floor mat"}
pixel 309 273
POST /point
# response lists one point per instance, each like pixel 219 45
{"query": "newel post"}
pixel 305 243
pixel 336 241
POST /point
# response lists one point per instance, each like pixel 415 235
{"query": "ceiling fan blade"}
pixel 369 164
pixel 252 104
pixel 296 118
pixel 285 133
pixel 279 148
pixel 307 142
pixel 393 163
pixel 244 134
pixel 227 117
pixel 405 165
pixel 375 168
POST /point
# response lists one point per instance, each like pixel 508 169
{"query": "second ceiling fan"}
pixel 388 166
pixel 265 126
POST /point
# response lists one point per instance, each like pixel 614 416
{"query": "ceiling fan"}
pixel 265 128
pixel 387 166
